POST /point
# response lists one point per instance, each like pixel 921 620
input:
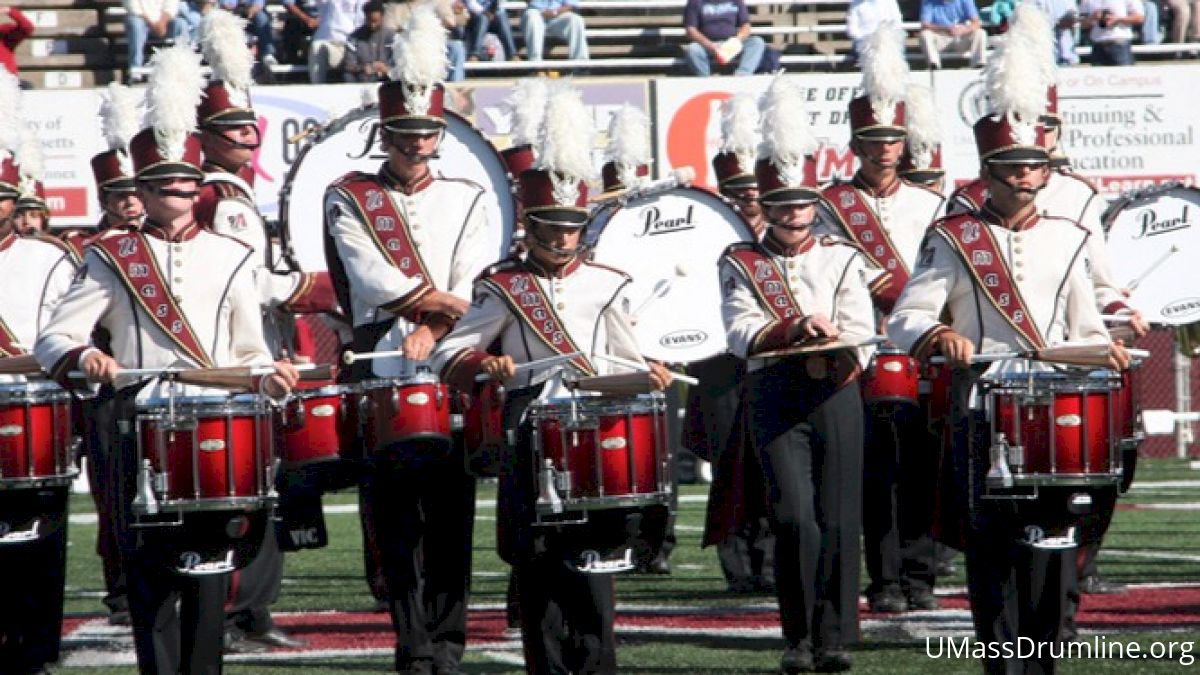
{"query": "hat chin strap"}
pixel 547 246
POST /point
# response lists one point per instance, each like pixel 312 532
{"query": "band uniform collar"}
pixel 393 181
pixel 879 193
pixel 560 272
pixel 776 247
pixel 187 234
pixel 989 215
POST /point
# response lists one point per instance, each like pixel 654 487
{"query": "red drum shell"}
pixel 311 424
pixel 483 419
pixel 400 410
pixel 937 400
pixel 893 377
pixel 35 434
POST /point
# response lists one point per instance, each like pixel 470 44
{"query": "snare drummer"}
pixel 566 614
pixel 206 314
pixel 888 216
pixel 804 412
pixel 403 246
pixel 30 607
pixel 1010 279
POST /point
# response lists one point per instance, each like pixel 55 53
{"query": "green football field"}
pixel 1155 546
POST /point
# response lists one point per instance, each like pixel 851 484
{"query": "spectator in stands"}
pixel 489 16
pixel 369 55
pixel 192 13
pixel 14 28
pixel 298 26
pixel 1184 13
pixel 151 18
pixel 454 16
pixel 557 19
pixel 1110 29
pixel 1063 16
pixel 720 34
pixel 952 26
pixel 336 20
pixel 258 24
pixel 865 16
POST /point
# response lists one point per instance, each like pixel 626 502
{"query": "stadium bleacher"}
pixel 81 43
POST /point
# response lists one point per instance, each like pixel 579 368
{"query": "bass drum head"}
pixel 1154 239
pixel 672 240
pixel 351 143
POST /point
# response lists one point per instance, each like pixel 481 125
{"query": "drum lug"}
pixel 999 476
pixel 548 499
pixel 145 502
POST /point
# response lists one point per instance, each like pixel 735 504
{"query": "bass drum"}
pixel 1157 233
pixel 351 143
pixel 670 243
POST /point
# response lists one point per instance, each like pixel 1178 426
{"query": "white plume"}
pixel 924 129
pixel 10 111
pixel 119 115
pixel 629 142
pixel 1022 69
pixel 223 38
pixel 739 129
pixel 419 51
pixel 527 108
pixel 787 138
pixel 567 136
pixel 176 87
pixel 29 158
pixel 885 71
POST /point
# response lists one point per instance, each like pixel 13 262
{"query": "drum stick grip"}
pixel 24 364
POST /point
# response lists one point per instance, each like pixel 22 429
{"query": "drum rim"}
pixel 323 391
pixel 32 391
pixel 158 413
pixel 391 382
pixel 606 406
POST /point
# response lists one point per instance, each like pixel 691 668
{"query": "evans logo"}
pixel 1181 308
pixel 682 339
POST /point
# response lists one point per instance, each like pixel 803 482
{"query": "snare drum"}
pixel 400 410
pixel 35 435
pixel 892 377
pixel 312 424
pixel 935 392
pixel 1059 428
pixel 483 419
pixel 206 453
pixel 601 453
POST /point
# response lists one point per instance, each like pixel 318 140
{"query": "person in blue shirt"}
pixel 489 15
pixel 952 26
pixel 709 23
pixel 258 24
pixel 557 19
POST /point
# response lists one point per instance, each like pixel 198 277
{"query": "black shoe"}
pixel 888 601
pixel 1098 585
pixel 658 565
pixel 832 661
pixel 796 660
pixel 741 585
pixel 236 643
pixel 764 584
pixel 922 598
pixel 276 637
pixel 119 618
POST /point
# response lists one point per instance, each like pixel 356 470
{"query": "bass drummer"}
pixel 887 216
pixel 206 315
pixel 566 612
pixel 403 246
pixel 31 607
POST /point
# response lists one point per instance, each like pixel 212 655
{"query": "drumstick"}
pixel 1082 355
pixel 660 289
pixel 686 379
pixel 533 365
pixel 1117 318
pixel 308 371
pixel 349 357
pixel 1153 266
pixel 23 364
pixel 683 175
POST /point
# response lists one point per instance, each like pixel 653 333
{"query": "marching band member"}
pixel 1010 279
pixel 207 315
pixel 31 608
pixel 804 412
pixel 32 215
pixel 887 216
pixel 921 162
pixel 566 614
pixel 403 246
pixel 745 545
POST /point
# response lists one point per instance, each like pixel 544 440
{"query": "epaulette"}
pixel 739 246
pixel 592 263
pixel 232 238
pixel 465 181
pixel 352 176
pixel 1086 181
pixel 952 217
pixel 1072 221
pixel 56 242
pixel 504 265
pixel 924 187
pixel 830 240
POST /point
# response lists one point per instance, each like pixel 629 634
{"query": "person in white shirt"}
pixel 337 19
pixel 865 16
pixel 1110 24
pixel 146 18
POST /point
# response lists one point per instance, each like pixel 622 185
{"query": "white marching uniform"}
pixel 44 268
pixel 447 224
pixel 589 299
pixel 827 276
pixel 905 215
pixel 211 279
pixel 1047 259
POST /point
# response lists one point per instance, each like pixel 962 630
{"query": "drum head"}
pixel 1154 238
pixel 673 241
pixel 352 144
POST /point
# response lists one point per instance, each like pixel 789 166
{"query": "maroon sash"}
pixel 130 257
pixel 862 225
pixel 972 195
pixel 387 228
pixel 767 280
pixel 8 341
pixel 525 298
pixel 980 253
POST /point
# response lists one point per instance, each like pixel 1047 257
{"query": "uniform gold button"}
pixel 794 280
pixel 791 264
pixel 561 306
pixel 179 280
pixel 1020 277
pixel 178 298
pixel 1017 249
pixel 179 263
pixel 1018 263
